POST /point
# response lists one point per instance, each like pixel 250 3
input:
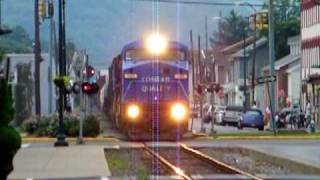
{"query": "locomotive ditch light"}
pixel 178 112
pixel 133 111
pixel 156 44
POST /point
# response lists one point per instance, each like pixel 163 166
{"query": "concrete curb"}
pixel 47 139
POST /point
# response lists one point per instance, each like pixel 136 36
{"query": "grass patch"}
pixel 143 174
pixel 117 162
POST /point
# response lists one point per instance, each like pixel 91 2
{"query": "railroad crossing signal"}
pixel 90 88
pixel 266 79
pixel 89 71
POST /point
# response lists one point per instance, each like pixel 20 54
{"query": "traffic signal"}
pixel 262 20
pixel 89 71
pixel 217 88
pixel 213 88
pixel 42 8
pixel 90 88
pixel 199 89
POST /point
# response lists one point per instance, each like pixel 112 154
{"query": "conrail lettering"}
pixel 155 79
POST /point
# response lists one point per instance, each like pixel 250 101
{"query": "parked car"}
pixel 219 113
pixel 232 115
pixel 252 118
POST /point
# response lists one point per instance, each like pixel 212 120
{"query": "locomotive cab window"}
pixel 142 55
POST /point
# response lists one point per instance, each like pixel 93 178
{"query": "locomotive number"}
pixel 155 88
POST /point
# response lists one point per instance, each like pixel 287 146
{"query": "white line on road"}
pixel 104 178
pixel 25 146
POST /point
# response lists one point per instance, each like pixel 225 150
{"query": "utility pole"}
pixel 244 69
pixel 193 75
pixel 62 70
pixel 51 54
pixel 200 83
pixel 271 61
pixel 206 31
pixel 37 58
pixel 254 57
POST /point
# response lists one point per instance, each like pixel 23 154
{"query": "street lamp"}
pixel 61 138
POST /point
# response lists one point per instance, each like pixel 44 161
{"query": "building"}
pixel 234 87
pixel 310 51
pixel 47 89
pixel 288 72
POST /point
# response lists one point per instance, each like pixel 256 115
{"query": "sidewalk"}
pixel 66 162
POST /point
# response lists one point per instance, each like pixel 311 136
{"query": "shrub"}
pixel 49 126
pixel 42 126
pixel 91 126
pixel 6 101
pixel 30 125
pixel 71 126
pixel 10 138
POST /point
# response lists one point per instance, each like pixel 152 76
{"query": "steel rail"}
pixel 218 163
pixel 166 163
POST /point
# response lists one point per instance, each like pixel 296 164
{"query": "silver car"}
pixel 219 113
pixel 232 115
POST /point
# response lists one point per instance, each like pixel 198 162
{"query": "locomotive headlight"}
pixel 156 44
pixel 133 111
pixel 178 112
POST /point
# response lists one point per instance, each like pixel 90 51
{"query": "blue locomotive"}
pixel 148 89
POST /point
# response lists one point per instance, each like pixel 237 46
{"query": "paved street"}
pixel 218 128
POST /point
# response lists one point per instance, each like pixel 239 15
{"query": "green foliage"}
pixel 16 42
pixel 10 139
pixel 231 29
pixel 23 93
pixel 286 24
pixel 48 126
pixel 6 101
pixel 91 126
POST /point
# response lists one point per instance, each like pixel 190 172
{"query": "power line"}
pixel 199 3
pixel 210 3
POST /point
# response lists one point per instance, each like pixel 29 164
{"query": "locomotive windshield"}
pixel 142 55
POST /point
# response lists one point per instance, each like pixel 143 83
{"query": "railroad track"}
pixel 192 161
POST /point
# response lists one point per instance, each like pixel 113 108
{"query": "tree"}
pixel 18 42
pixel 286 24
pixel 23 92
pixel 231 29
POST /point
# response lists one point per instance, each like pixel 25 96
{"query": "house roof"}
pixel 236 46
pixel 249 48
pixel 285 61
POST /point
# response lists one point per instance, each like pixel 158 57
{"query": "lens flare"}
pixel 157 44
pixel 133 111
pixel 178 112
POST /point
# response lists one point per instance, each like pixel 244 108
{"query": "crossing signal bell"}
pixel 90 88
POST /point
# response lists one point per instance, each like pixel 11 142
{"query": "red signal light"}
pixel 92 72
pixel 89 71
pixel 90 88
